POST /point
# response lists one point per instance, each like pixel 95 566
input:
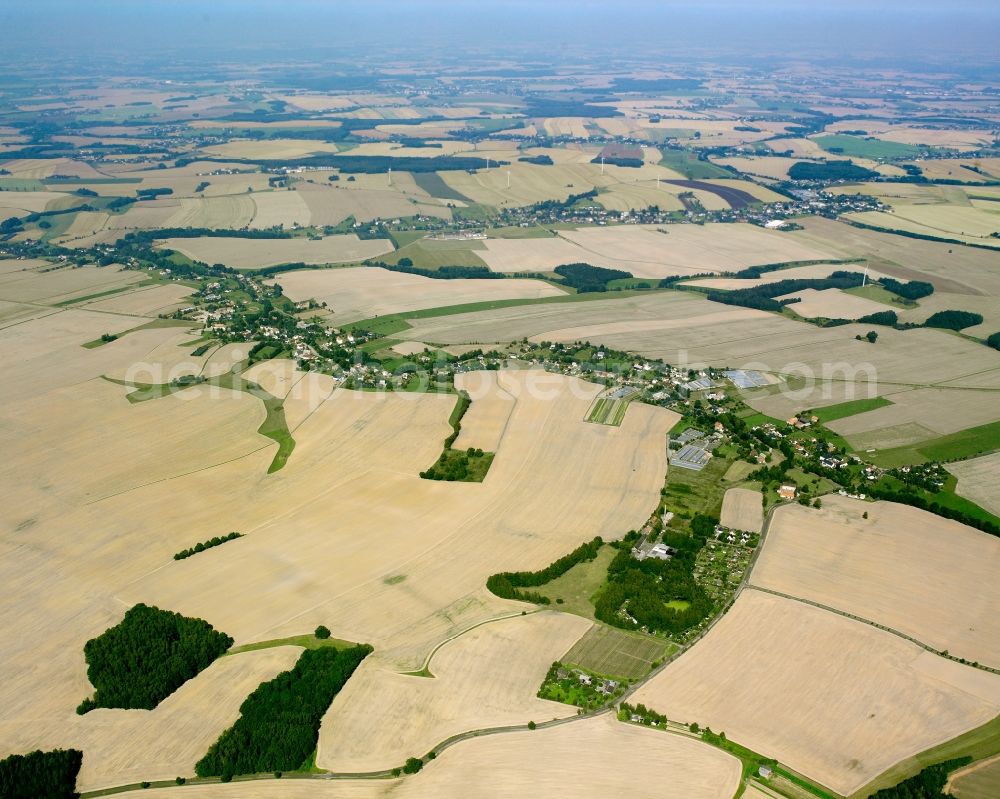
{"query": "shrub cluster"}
pixel 954 320
pixel 212 542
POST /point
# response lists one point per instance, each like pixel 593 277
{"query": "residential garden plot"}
pixel 366 292
pixel 978 479
pixel 616 653
pixel 742 509
pixel 834 699
pixel 487 677
pixel 896 568
pixel 256 253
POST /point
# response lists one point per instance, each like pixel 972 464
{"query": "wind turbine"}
pixel 602 164
pixel 508 178
pixel 864 279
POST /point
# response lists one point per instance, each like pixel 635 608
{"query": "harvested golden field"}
pixel 275 149
pixel 232 211
pixel 679 327
pixel 21 203
pixel 919 414
pixel 967 224
pixel 531 183
pixel 958 169
pixel 951 267
pixel 547 763
pixel 85 223
pixel 434 149
pixel 332 205
pixel 651 252
pixel 911 134
pixel 146 301
pixel 695 248
pixel 797 396
pixel 600 319
pixel 833 304
pixel 364 292
pixel 65 283
pixel 279 209
pixel 742 509
pixel 896 568
pixel 257 253
pixel 792 273
pixel 798 148
pixel 484 423
pixel 343 581
pixel 127 746
pixel 635 196
pixel 977 480
pixel 834 699
pixel 488 677
pixel 575 127
pixel 770 166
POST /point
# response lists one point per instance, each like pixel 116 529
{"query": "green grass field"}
pixel 578 585
pixel 693 492
pixel 842 410
pixel 955 446
pixel 434 185
pixel 308 641
pixel 840 144
pixel 616 653
pixel 687 164
pixel 432 253
pixel 879 294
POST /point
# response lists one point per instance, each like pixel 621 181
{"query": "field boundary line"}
pixel 876 625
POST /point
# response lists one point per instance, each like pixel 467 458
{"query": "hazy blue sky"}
pixel 964 32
